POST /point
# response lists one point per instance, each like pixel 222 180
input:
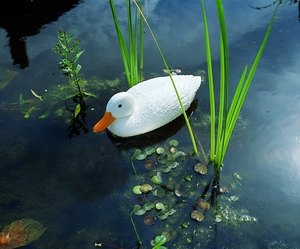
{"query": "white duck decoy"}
pixel 148 105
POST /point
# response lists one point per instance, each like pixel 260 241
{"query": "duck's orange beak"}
pixel 104 122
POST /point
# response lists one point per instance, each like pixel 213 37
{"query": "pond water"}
pixel 80 189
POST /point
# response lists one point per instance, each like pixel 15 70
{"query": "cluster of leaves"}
pixel 70 52
pixel 177 193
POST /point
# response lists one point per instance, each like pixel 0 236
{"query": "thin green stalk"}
pixel 132 164
pixel 130 55
pixel 222 101
pixel 134 227
pixel 211 86
pixel 167 67
pixel 240 101
pixel 122 43
pixel 224 81
pixel 141 77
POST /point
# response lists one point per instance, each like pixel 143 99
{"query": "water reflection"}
pixel 23 18
pixel 260 7
pixel 57 180
pixel 156 136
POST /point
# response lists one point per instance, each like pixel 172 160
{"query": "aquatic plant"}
pixel 183 200
pixel 228 113
pixel 70 52
pixel 168 70
pixel 133 56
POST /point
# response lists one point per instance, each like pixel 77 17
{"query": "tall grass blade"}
pixel 210 85
pixel 122 43
pixel 167 67
pixel 141 77
pixel 130 55
pixel 228 115
pixel 239 103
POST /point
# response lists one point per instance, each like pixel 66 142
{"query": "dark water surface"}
pixel 81 188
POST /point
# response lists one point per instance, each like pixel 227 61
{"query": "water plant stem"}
pixel 133 71
pixel 134 227
pixel 168 69
pixel 132 164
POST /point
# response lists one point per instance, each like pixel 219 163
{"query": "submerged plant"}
pixel 228 113
pixel 133 56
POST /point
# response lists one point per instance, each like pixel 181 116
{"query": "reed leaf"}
pixel 130 55
pixel 228 115
pixel 176 91
pixel 210 85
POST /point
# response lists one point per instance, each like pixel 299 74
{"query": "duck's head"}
pixel 119 106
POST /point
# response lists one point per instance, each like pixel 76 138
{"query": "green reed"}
pixel 133 56
pixel 228 114
pixel 169 71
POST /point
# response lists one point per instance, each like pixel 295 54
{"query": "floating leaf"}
pixel 160 150
pixel 173 142
pixel 139 210
pixel 159 192
pixel 139 155
pixel 145 188
pixel 149 205
pixel 157 179
pixel 165 169
pixel 159 206
pixel 160 239
pixel 149 150
pixel 162 216
pixel 136 189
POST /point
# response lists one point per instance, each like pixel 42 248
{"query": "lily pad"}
pixel 162 216
pixel 139 210
pixel 159 206
pixel 160 150
pixel 145 188
pixel 149 205
pixel 149 150
pixel 140 155
pixel 165 169
pixel 136 189
pixel 159 192
pixel 173 142
pixel 157 179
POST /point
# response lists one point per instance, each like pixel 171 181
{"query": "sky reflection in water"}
pixel 266 155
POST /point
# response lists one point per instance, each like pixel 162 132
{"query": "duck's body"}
pixel 148 105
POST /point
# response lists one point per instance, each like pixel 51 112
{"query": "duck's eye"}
pixel 120 105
